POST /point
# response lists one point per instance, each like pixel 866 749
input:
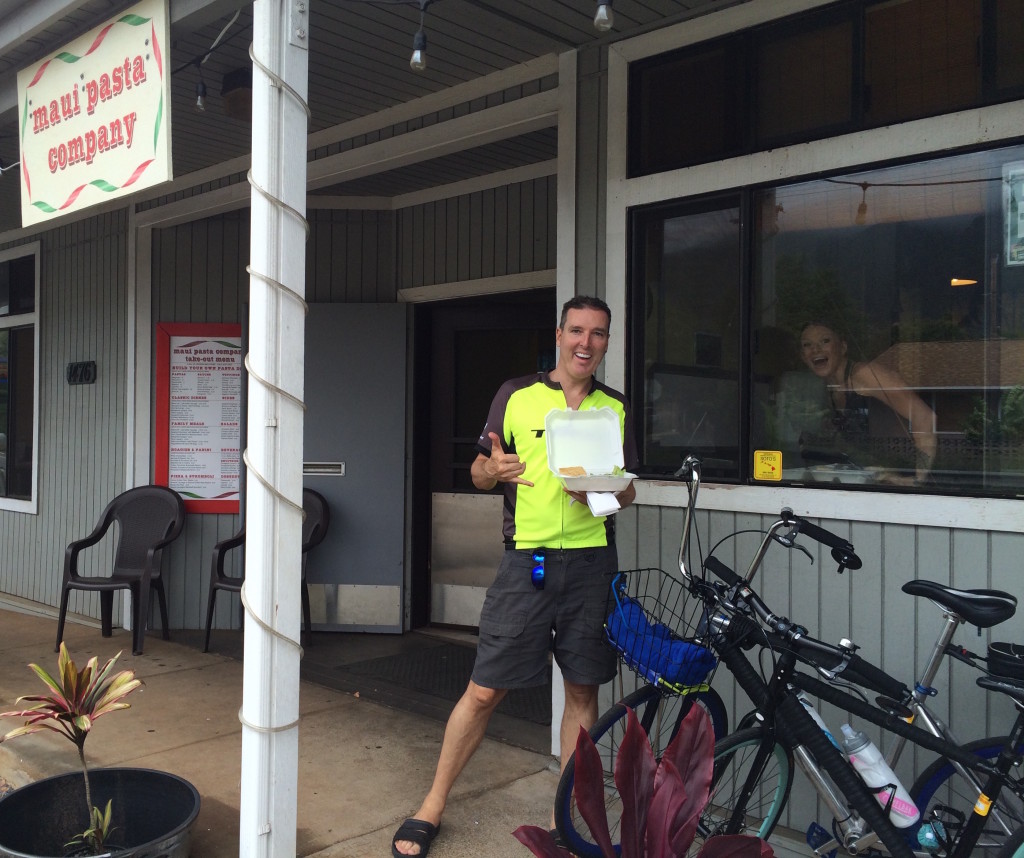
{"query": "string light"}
pixel 862 209
pixel 604 18
pixel 201 93
pixel 418 60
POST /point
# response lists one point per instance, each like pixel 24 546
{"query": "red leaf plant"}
pixel 76 699
pixel 661 801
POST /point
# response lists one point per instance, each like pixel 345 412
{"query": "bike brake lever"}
pixel 789 541
pixel 786 539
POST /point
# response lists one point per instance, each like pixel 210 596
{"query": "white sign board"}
pixel 95 116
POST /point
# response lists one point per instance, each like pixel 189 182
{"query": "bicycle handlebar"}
pixel 785 634
pixel 842 549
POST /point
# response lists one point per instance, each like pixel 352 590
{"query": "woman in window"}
pixel 852 384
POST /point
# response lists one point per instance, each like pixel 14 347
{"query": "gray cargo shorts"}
pixel 521 624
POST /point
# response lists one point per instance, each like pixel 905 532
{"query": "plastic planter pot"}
pixel 152 814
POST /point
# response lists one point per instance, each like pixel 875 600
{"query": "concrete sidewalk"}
pixel 363 767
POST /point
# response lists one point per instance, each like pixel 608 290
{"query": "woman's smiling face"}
pixel 823 350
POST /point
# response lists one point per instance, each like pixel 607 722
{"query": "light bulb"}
pixel 604 20
pixel 418 61
pixel 201 95
pixel 862 209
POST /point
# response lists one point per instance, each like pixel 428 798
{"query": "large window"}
pixel 18 288
pixel 688 260
pixel 847 66
pixel 868 327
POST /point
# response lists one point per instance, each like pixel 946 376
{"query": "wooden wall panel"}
pixel 350 257
pixel 81 315
pixel 489 233
pixel 198 275
pixel 893 630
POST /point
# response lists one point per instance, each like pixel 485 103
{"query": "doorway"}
pixel 464 350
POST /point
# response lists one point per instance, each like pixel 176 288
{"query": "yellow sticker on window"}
pixel 983 805
pixel 767 465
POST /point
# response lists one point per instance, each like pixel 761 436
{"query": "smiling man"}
pixel 552 584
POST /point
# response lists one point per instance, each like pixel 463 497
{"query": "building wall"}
pixel 194 271
pixel 83 315
pixel 198 275
pixel 489 233
pixel 961 542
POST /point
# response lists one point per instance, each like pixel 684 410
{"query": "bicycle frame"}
pixel 932 723
pixel 935 735
pixel 855 832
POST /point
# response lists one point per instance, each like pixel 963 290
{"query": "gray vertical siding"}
pixel 489 233
pixel 82 316
pixel 894 630
pixel 350 257
pixel 198 275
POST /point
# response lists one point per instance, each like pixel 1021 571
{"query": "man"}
pixel 552 584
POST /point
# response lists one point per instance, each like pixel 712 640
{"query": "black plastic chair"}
pixel 314 528
pixel 148 518
pixel 219 580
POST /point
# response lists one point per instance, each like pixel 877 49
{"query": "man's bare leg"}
pixel 462 736
pixel 580 711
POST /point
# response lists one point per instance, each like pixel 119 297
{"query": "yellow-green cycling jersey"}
pixel 541 514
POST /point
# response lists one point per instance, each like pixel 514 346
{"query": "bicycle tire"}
pixel 659 714
pixel 735 756
pixel 1014 847
pixel 941 784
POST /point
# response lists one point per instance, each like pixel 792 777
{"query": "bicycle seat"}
pixel 981 608
pixel 1004 685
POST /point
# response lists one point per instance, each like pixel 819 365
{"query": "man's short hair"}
pixel 584 302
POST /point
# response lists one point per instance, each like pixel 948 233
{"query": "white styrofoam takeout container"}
pixel 588 439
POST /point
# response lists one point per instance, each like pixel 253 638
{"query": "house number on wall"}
pixel 82 372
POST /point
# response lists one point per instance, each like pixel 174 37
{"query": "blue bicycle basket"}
pixel 646 643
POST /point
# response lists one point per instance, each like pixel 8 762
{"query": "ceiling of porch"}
pixel 359 65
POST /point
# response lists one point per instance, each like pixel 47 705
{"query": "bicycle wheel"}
pixel 1014 847
pixel 942 786
pixel 659 715
pixel 741 760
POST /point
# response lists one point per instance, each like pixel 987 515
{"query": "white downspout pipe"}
pixel 273 515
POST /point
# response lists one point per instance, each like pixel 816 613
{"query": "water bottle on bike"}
pixel 871 765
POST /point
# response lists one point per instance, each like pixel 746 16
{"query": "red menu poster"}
pixel 198 414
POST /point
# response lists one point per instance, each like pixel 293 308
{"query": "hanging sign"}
pixel 198 414
pixel 94 118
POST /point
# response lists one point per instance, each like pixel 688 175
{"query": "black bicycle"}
pixel 972 798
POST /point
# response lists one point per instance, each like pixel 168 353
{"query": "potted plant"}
pixel 661 800
pixel 107 811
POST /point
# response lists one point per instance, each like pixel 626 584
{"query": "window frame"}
pixel 22 320
pixel 639 360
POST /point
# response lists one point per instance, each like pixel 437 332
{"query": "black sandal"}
pixel 416 831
